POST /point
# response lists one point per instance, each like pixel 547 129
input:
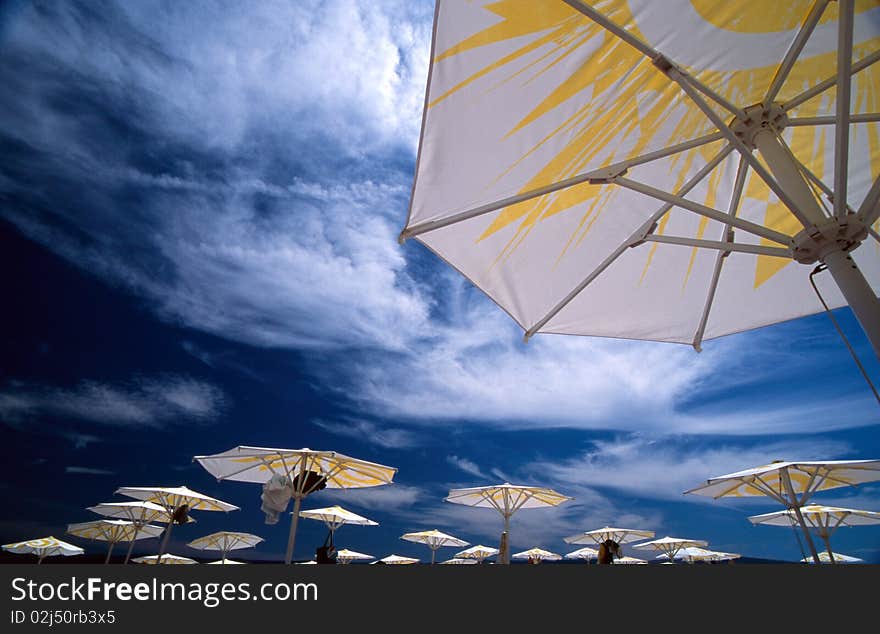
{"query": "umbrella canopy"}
pixel 139 512
pixel 346 556
pixel 43 547
pixel 629 561
pixel 695 553
pixel 328 469
pixel 585 553
pixel 837 558
pixel 823 519
pixel 336 516
pixel 434 540
pixel 507 499
pixel 178 502
pixel 792 483
pixel 670 546
pixel 221 562
pixel 397 560
pixel 460 561
pixel 477 553
pixel 590 166
pixel 599 535
pixel 166 558
pixel 113 532
pixel 224 541
pixel 537 555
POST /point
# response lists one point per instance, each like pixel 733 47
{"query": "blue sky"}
pixel 199 205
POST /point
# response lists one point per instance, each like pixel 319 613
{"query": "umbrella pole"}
pixel 291 538
pixel 433 554
pixel 505 555
pixel 109 552
pixel 131 545
pixel 793 501
pixel 164 544
pixel 40 558
pixel 828 548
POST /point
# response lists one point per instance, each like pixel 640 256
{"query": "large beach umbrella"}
pixel 397 560
pixel 825 520
pixel 507 499
pixel 178 502
pixel 44 547
pixel 113 532
pixel 835 557
pixel 225 541
pixel 138 512
pixel 669 546
pixel 166 558
pixel 478 553
pixel 792 483
pixel 586 553
pixel 537 555
pixel 591 166
pixel 306 471
pixel 434 540
pixel 346 556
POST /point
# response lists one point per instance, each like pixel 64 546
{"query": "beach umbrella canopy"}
pixel 178 502
pixel 599 535
pixel 629 561
pixel 460 561
pixel 139 512
pixel 585 553
pixel 825 520
pixel 791 483
pixel 306 471
pixel 478 553
pixel 537 555
pixel 591 166
pixel 397 560
pixel 221 562
pixel 113 532
pixel 224 541
pixel 166 558
pixel 434 540
pixel 695 553
pixel 837 558
pixel 669 546
pixel 346 556
pixel 507 499
pixel 44 547
pixel 336 516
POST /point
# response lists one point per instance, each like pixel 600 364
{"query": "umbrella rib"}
pixel 721 246
pixel 867 117
pixel 844 76
pixel 739 183
pixel 869 210
pixel 794 51
pixel 646 227
pixel 822 86
pixel 603 172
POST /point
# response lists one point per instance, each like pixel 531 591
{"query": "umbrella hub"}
pixel 835 234
pixel 757 119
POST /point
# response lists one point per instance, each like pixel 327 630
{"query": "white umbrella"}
pixel 629 561
pixel 306 470
pixel 507 499
pixel 43 547
pixel 178 502
pixel 792 483
pixel 166 558
pixel 695 553
pixel 460 561
pixel 599 535
pixel 669 546
pixel 225 562
pixel 584 553
pixel 397 560
pixel 825 520
pixel 837 558
pixel 346 556
pixel 335 516
pixel 113 532
pixel 553 130
pixel 434 540
pixel 139 512
pixel 225 541
pixel 537 555
pixel 478 553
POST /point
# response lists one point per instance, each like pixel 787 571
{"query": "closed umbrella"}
pixel 44 547
pixel 434 540
pixel 304 470
pixel 591 166
pixel 225 541
pixel 113 532
pixel 537 555
pixel 138 512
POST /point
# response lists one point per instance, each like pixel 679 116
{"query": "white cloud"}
pixel 371 433
pixel 87 471
pixel 468 466
pixel 390 497
pixel 149 402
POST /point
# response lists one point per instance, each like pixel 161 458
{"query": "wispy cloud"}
pixel 370 433
pixel 149 402
pixel 468 466
pixel 87 471
pixel 387 498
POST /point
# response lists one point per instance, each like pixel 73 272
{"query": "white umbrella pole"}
pixel 291 538
pixel 793 501
pixel 109 552
pixel 131 545
pixel 828 548
pixel 40 558
pixel 164 544
pixel 852 284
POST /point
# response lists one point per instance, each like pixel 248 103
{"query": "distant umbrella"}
pixel 838 558
pixel 478 553
pixel 434 540
pixel 225 541
pixel 167 558
pixel 43 547
pixel 537 555
pixel 585 553
pixel 397 560
pixel 346 556
pixel 113 532
pixel 459 561
pixel 139 512
pixel 670 546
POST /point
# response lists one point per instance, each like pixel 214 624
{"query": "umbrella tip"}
pixel 402 237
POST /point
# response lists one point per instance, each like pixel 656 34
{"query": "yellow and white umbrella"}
pixel 693 554
pixel 346 556
pixel 178 502
pixel 825 520
pixel 113 532
pixel 591 165
pixel 166 558
pixel 225 562
pixel 507 499
pixel 478 553
pixel 599 535
pixel 836 558
pixel 139 512
pixel 792 483
pixel 586 553
pixel 225 541
pixel 669 546
pixel 537 555
pixel 460 561
pixel 43 547
pixel 629 561
pixel 307 470
pixel 434 540
pixel 397 560
pixel 335 516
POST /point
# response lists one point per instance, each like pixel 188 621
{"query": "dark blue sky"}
pixel 198 211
